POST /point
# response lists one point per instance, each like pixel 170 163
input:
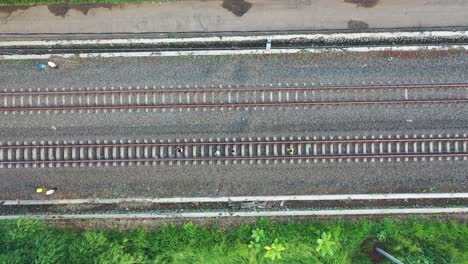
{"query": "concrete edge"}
pixel 325 197
pixel 397 211
pixel 189 34
pixel 328 37
pixel 461 47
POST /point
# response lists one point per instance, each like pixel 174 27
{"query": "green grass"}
pixel 412 241
pixel 48 2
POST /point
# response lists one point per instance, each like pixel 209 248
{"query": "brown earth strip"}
pixel 6 11
pixel 227 222
pixel 369 245
pixel 62 9
pixel 430 54
pixel 10 9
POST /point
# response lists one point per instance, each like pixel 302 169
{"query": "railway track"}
pixel 234 150
pixel 128 99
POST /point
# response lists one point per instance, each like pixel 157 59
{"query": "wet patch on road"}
pixel 356 24
pixel 363 3
pixel 237 7
pixel 62 9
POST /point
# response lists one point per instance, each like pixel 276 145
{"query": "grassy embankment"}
pixel 412 241
pixel 50 2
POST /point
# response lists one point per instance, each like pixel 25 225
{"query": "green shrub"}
pixel 326 246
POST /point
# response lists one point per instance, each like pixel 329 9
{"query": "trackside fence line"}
pixel 316 50
pixel 397 211
pixel 325 197
pixel 330 37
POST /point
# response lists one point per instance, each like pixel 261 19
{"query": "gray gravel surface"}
pixel 334 68
pixel 212 180
pixel 319 121
pixel 220 180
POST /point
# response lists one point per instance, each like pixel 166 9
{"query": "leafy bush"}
pixel 258 235
pixel 273 252
pixel 325 245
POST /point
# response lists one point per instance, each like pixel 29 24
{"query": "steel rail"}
pixel 230 143
pixel 223 90
pixel 297 157
pixel 243 97
pixel 344 156
pixel 232 105
pixel 69 152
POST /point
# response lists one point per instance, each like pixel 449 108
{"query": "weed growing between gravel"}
pixel 412 241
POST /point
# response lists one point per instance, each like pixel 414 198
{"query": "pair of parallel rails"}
pixel 260 150
pixel 234 150
pixel 145 98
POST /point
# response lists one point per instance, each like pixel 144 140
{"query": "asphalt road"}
pixel 212 180
pixel 229 15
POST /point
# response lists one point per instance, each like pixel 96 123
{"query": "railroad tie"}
pixel 234 140
pixel 299 149
pixel 227 151
pixel 160 147
pixel 250 150
pixel 1 156
pixel 202 152
pixel 259 151
pixel 170 154
pixel 154 155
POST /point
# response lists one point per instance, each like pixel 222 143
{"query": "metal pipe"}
pixel 390 257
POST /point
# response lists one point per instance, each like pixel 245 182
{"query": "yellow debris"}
pixel 39 190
